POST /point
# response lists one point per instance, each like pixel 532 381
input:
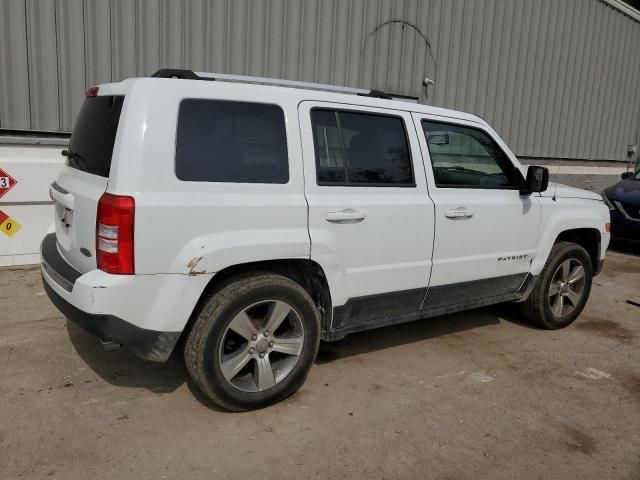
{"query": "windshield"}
pixel 94 135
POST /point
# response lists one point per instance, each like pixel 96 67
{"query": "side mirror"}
pixel 438 138
pixel 626 175
pixel 537 180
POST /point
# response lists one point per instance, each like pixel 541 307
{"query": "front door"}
pixel 370 217
pixel 486 232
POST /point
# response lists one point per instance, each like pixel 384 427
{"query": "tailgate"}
pixel 84 179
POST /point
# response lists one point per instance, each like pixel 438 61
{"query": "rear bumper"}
pixel 145 313
pixel 147 344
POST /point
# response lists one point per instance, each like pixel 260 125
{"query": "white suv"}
pixel 254 217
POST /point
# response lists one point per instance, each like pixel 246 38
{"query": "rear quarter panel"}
pixel 202 227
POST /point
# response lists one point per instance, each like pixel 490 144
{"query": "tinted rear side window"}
pixel 94 135
pixel 238 142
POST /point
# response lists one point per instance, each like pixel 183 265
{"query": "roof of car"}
pixel 310 91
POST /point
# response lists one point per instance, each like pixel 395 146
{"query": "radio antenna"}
pixel 555 184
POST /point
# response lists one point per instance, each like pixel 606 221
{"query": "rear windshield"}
pixel 94 134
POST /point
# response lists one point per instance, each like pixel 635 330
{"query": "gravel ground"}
pixel 476 395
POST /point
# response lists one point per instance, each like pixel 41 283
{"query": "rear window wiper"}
pixel 73 156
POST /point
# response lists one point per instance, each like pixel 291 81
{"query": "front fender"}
pixel 568 214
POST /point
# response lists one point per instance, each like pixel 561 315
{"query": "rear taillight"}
pixel 114 234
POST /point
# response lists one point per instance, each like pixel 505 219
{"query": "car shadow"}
pixel 123 369
pixel 624 247
pixel 418 331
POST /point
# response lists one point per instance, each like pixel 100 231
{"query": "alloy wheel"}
pixel 261 345
pixel 567 287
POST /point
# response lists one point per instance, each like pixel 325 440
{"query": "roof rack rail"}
pixel 191 75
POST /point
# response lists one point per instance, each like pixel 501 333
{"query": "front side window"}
pixel 354 148
pixel 237 142
pixel 464 157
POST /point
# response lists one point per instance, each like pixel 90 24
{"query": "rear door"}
pixel 84 178
pixel 370 217
pixel 486 232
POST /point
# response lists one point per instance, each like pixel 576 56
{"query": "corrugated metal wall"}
pixel 556 78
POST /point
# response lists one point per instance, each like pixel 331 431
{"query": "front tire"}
pixel 562 289
pixel 253 342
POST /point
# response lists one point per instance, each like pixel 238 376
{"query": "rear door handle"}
pixel 460 212
pixel 347 215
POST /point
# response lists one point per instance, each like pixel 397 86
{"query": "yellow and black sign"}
pixel 8 225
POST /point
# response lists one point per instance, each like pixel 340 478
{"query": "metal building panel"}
pixel 292 39
pixel 555 79
pixel 355 42
pixel 340 44
pixel 596 111
pixel 324 39
pixel 195 34
pixel 482 76
pixel 218 30
pixel 613 90
pixel 257 42
pixel 628 56
pixel 172 21
pixel 124 40
pixel 631 97
pixel 382 44
pixel 369 47
pixel 556 71
pixel 235 53
pixel 564 122
pixel 584 82
pixel 14 67
pixel 97 42
pixel 71 59
pixel 148 22
pixel 596 74
pixel 307 53
pixel 43 68
pixel 275 35
pixel 522 67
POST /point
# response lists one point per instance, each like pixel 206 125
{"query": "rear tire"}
pixel 562 288
pixel 253 342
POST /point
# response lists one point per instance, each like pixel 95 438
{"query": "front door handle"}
pixel 345 216
pixel 460 212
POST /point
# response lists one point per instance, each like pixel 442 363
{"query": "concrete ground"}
pixel 476 395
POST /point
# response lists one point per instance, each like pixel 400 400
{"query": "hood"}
pixel 565 191
pixel 627 191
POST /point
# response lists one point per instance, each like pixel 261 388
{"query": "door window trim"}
pixel 518 174
pixel 346 183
